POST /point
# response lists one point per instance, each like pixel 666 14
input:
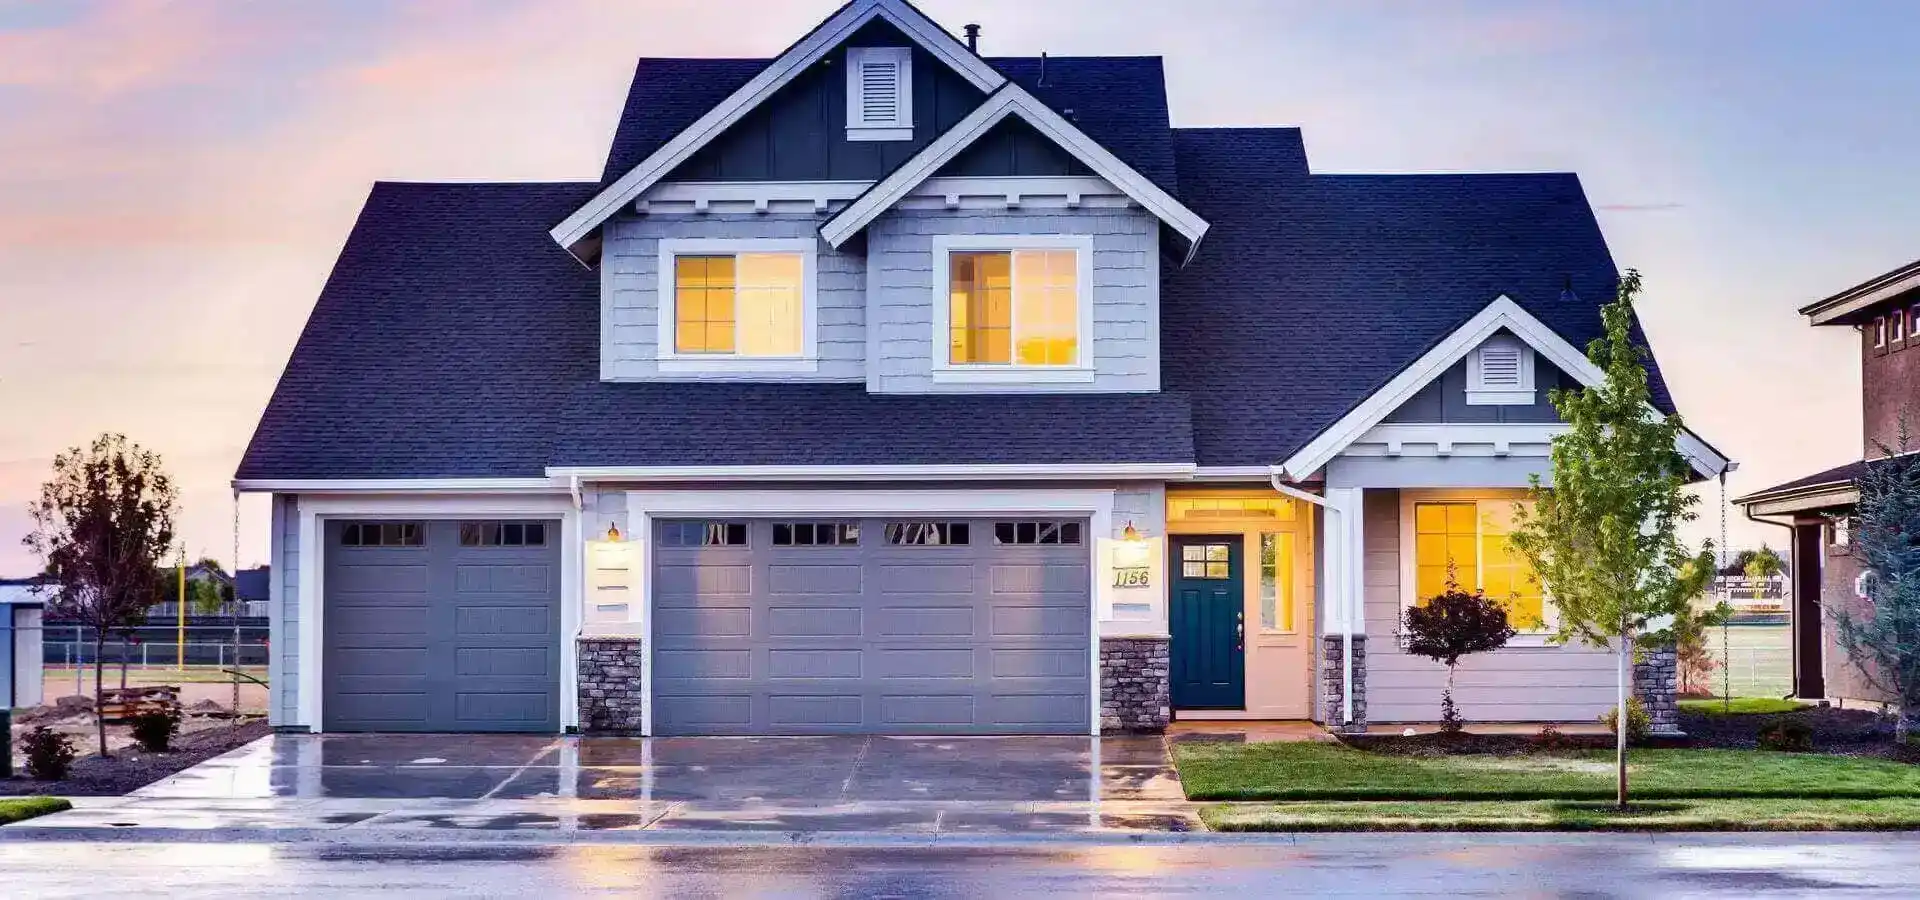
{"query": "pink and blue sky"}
pixel 176 177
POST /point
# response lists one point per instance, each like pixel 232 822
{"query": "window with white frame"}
pixel 1013 305
pixel 728 303
pixel 1468 542
pixel 879 94
pixel 1897 328
pixel 1880 331
pixel 1500 373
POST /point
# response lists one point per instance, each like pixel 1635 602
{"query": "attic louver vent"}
pixel 879 94
pixel 1500 373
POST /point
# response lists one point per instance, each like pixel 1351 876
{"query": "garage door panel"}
pixel 520 621
pixel 373 620
pixel 815 663
pixel 926 578
pixel 1038 621
pixel 926 621
pixel 831 711
pixel 526 580
pixel 1039 663
pixel 673 625
pixel 1062 708
pixel 949 710
pixel 491 708
pixel 378 662
pixel 528 662
pixel 687 580
pixel 378 580
pixel 391 708
pixel 924 662
pixel 681 712
pixel 816 579
pixel 818 621
pixel 703 663
pixel 1065 583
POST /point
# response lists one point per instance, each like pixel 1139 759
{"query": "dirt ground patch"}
pixel 1844 732
pixel 130 768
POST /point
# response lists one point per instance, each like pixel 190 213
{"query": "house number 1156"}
pixel 1131 576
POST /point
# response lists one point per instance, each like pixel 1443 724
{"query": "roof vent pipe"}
pixel 973 36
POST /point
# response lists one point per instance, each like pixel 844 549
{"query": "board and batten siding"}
pixel 630 296
pixel 1126 294
pixel 283 612
pixel 1570 683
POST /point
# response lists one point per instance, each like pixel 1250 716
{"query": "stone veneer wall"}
pixel 1656 681
pixel 1332 683
pixel 611 695
pixel 1134 684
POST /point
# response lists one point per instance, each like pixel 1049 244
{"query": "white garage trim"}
pixel 645 506
pixel 315 510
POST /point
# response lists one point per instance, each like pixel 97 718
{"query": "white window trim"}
pixel 945 370
pixel 1478 394
pixel 671 361
pixel 1897 327
pixel 1880 331
pixel 1409 571
pixel 901 128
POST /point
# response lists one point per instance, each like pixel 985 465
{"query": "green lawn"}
pixel 1561 815
pixel 1311 770
pixel 1741 706
pixel 23 808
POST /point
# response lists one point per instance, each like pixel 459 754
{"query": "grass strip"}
pixel 1569 815
pixel 1329 771
pixel 20 809
pixel 1741 706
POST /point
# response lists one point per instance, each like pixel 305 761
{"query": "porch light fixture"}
pixel 613 533
pixel 1130 534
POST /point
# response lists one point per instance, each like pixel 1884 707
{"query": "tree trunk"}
pixel 125 649
pixel 100 686
pixel 1620 721
pixel 1903 722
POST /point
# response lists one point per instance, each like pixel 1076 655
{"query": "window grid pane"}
pixel 980 308
pixel 703 304
pixel 1444 536
pixel 1276 581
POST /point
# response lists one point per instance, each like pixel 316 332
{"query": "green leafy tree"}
pixel 1603 539
pixel 1883 637
pixel 1454 624
pixel 102 524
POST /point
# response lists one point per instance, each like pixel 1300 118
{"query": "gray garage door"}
pixel 441 626
pixel 804 626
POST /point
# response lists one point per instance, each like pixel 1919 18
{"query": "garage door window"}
pixel 383 534
pixel 503 534
pixel 1042 532
pixel 815 534
pixel 704 534
pixel 927 534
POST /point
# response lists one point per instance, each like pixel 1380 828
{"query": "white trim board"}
pixel 398 485
pixel 1011 99
pixel 1861 296
pixel 819 197
pixel 313 512
pixel 1096 505
pixel 797 58
pixel 1503 312
pixel 986 472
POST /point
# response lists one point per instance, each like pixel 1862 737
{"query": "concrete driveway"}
pixel 357 784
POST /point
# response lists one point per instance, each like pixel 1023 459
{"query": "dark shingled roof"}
pixel 1837 475
pixel 1334 283
pixel 456 339
pixel 1120 101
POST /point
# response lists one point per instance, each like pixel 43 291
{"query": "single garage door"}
pixel 888 626
pixel 441 625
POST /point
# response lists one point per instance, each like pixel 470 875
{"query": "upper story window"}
pixel 1880 331
pixel 1500 373
pixel 1897 328
pixel 879 94
pixel 737 305
pixel 1013 308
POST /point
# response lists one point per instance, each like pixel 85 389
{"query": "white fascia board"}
pixel 809 50
pixel 998 472
pixel 399 485
pixel 1855 299
pixel 1503 312
pixel 1011 99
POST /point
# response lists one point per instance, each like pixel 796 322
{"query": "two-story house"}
pixel 1884 312
pixel 887 387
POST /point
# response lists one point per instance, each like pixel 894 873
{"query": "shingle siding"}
pixel 1126 294
pixel 630 261
pixel 283 664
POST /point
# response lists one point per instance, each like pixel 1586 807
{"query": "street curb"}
pixel 685 838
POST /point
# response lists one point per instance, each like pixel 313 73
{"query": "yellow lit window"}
pixel 1279 509
pixel 746 304
pixel 1472 539
pixel 1017 307
pixel 1276 581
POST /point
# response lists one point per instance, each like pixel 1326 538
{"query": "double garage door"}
pixel 873 625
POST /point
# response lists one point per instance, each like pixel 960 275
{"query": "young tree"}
pixel 102 525
pixel 1603 538
pixel 1883 637
pixel 1454 624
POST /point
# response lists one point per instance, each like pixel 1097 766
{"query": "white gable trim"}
pixel 1011 99
pixel 930 36
pixel 1501 313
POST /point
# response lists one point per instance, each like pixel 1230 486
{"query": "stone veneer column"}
pixel 1134 685
pixel 1332 683
pixel 1656 681
pixel 611 695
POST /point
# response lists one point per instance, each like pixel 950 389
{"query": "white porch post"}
pixel 1346 568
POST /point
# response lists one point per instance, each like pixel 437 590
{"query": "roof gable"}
pixel 578 227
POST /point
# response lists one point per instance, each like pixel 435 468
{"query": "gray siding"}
pixel 1444 400
pixel 1013 148
pixel 1126 294
pixel 630 296
pixel 1517 684
pixel 283 612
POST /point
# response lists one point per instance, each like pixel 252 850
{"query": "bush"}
pixel 1638 723
pixel 49 753
pixel 1791 735
pixel 1550 740
pixel 1454 624
pixel 155 730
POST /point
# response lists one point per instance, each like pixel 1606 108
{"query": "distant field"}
pixel 1762 660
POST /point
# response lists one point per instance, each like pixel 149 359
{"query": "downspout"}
pixel 1346 612
pixel 1793 586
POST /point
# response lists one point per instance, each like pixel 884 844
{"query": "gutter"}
pixel 1346 602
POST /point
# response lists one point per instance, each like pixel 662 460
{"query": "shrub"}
pixel 49 753
pixel 1791 735
pixel 1638 724
pixel 1454 624
pixel 155 730
pixel 1550 740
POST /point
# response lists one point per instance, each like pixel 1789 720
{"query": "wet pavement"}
pixel 1587 866
pixel 339 787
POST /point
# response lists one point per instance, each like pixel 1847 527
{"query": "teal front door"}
pixel 1209 660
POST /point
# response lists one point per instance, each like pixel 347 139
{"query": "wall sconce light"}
pixel 1130 534
pixel 613 533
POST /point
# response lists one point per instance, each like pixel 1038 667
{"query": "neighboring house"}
pixel 250 588
pixel 884 387
pixel 1885 311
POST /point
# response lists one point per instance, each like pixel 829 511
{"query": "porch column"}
pixel 1343 670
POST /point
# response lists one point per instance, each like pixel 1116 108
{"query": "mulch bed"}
pixel 1843 732
pixel 1467 743
pixel 132 768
